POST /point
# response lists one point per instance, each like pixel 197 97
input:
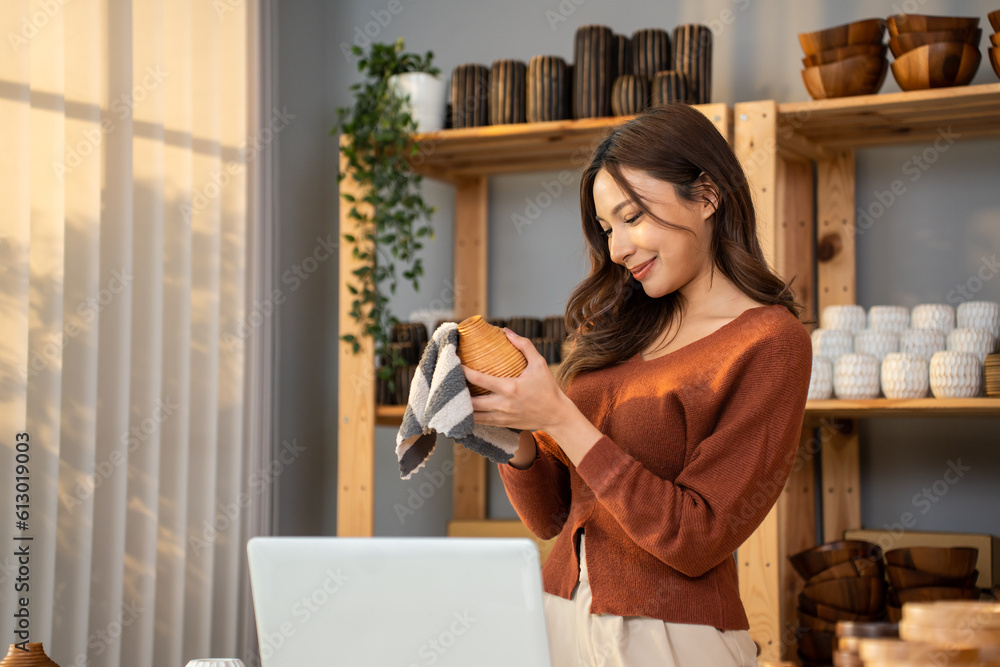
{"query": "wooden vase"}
pixel 403 379
pixel 693 58
pixel 470 85
pixel 529 327
pixel 622 50
pixel 548 95
pixel 571 82
pixel 485 348
pixel 668 87
pixel 650 52
pixel 33 657
pixel 592 78
pixel 382 394
pixel 507 92
pixel 630 95
pixel 554 327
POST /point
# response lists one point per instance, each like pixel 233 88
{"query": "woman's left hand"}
pixel 532 401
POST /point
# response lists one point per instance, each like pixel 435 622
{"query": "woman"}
pixel 676 416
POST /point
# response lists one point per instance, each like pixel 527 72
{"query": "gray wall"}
pixel 934 237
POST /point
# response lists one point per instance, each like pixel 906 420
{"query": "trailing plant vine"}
pixel 392 216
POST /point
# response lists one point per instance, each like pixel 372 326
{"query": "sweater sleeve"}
pixel 541 492
pixel 731 479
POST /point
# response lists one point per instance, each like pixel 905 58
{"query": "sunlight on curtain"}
pixel 125 227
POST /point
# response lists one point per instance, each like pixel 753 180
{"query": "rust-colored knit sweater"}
pixel 697 446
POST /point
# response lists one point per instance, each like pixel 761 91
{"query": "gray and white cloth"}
pixel 440 402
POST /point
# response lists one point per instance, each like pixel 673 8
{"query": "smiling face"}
pixel 663 259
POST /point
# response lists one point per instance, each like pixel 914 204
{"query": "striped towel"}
pixel 440 402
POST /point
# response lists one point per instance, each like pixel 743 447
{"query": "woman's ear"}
pixel 709 193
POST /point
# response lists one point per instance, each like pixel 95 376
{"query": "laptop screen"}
pixel 406 602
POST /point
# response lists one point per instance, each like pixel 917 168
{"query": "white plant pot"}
pixel 980 315
pixel 895 319
pixel 832 343
pixel 979 342
pixel 938 316
pixel 427 98
pixel 922 342
pixel 856 376
pixel 905 376
pixel 876 343
pixel 851 318
pixel 821 379
pixel 955 375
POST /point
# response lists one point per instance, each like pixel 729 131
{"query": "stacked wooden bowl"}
pixel 955 626
pixel 880 652
pixel 849 636
pixel 843 582
pixel 934 51
pixel 926 574
pixel 994 50
pixel 992 373
pixel 844 60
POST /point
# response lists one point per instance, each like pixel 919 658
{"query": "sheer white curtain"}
pixel 129 249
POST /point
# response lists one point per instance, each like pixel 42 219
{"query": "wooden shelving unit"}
pixel 799 158
pixel 465 158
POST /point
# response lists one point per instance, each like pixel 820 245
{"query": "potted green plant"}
pixel 392 216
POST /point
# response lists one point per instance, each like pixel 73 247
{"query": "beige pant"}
pixel 578 638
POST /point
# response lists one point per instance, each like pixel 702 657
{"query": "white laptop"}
pixel 398 602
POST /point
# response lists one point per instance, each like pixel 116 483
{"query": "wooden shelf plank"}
pixel 892 118
pixel 389 415
pixel 918 407
pixel 450 155
pixel 392 415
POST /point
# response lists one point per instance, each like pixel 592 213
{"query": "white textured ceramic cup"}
pixel 832 343
pixel 980 315
pixel 922 342
pixel 821 379
pixel 979 342
pixel 889 318
pixel 427 98
pixel 905 376
pixel 215 662
pixel 938 316
pixel 851 318
pixel 955 375
pixel 856 376
pixel 876 343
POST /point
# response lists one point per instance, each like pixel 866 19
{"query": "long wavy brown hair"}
pixel 609 316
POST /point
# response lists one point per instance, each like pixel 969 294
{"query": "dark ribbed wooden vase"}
pixel 668 87
pixel 693 58
pixel 507 92
pixel 622 47
pixel 470 87
pixel 548 94
pixel 650 52
pixel 630 95
pixel 571 78
pixel 592 76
